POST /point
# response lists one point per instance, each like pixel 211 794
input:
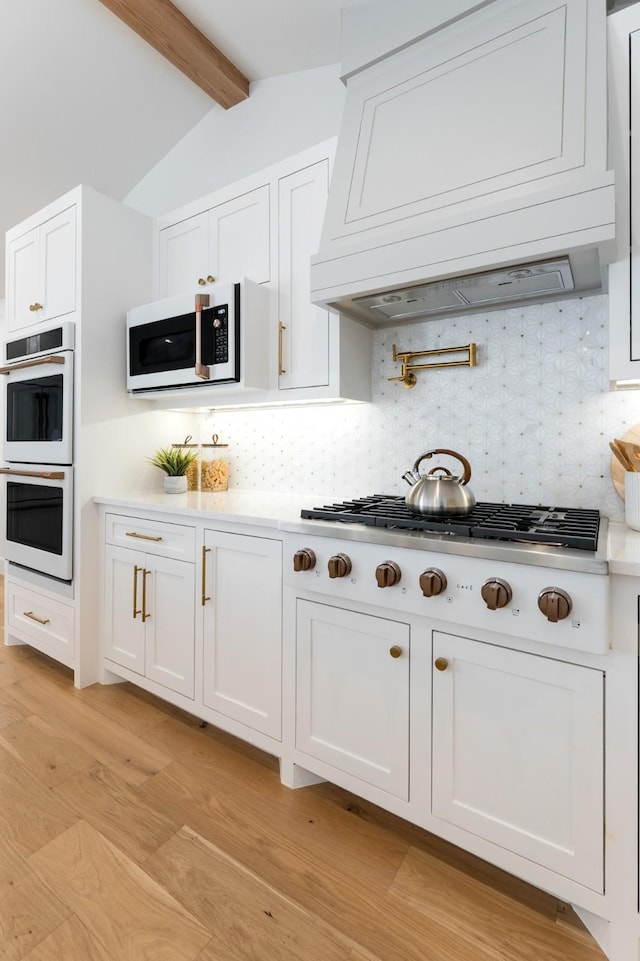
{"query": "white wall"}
pixel 282 116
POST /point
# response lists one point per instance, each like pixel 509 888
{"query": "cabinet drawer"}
pixel 45 623
pixel 151 536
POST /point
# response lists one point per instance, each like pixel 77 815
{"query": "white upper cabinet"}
pixel 624 138
pixel 227 242
pixel 266 227
pixel 303 328
pixel 41 271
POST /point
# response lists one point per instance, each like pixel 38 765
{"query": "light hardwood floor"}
pixel 130 831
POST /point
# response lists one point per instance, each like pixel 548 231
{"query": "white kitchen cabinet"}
pixel 518 754
pixel 624 138
pixel 41 620
pixel 303 328
pixel 149 602
pixel 352 694
pixel 242 629
pixel 226 242
pixel 41 271
pixel 266 227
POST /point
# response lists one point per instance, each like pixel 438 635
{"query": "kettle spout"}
pixel 412 477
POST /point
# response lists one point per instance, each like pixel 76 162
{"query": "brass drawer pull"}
pixel 441 663
pixel 136 569
pixel 34 617
pixel 142 537
pixel 35 306
pixel 145 574
pixel 395 650
pixel 205 551
pixel 281 329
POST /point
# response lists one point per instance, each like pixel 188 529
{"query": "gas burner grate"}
pixel 518 523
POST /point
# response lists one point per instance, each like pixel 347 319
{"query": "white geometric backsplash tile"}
pixel 534 417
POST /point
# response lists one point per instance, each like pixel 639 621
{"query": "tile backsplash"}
pixel 534 417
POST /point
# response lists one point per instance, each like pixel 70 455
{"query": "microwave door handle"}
pixel 46 474
pixel 36 362
pixel 201 370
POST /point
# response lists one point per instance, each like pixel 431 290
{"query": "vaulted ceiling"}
pixel 86 100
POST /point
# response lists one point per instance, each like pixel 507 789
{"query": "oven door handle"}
pixel 46 474
pixel 36 362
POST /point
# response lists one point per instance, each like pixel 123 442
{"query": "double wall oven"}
pixel 37 469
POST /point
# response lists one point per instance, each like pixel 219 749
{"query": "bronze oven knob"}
pixel 304 560
pixel 496 593
pixel 339 565
pixel 554 603
pixel 432 582
pixel 387 574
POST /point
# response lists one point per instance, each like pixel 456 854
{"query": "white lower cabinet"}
pixel 44 622
pixel 150 616
pixel 518 753
pixel 242 618
pixel 352 694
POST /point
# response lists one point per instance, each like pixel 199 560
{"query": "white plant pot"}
pixel 176 485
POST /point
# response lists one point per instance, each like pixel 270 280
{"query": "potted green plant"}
pixel 174 461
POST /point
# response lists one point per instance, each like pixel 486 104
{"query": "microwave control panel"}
pixel 220 322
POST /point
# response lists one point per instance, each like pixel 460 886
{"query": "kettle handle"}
pixel 466 476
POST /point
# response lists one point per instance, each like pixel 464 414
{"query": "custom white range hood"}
pixel 470 170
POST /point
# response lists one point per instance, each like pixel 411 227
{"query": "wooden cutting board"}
pixel 617 470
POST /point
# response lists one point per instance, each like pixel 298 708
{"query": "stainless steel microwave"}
pixel 198 340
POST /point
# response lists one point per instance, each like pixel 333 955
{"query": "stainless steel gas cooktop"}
pixel 573 528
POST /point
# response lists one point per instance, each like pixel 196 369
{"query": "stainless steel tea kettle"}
pixel 438 492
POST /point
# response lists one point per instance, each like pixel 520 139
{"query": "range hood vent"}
pixel 547 278
pixel 466 177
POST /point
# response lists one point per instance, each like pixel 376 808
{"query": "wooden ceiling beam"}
pixel 167 29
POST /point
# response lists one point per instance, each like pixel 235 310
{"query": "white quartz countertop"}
pixel 623 550
pixel 266 509
pixel 260 508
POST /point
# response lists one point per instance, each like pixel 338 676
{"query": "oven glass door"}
pixel 38 523
pixel 162 353
pixel 38 399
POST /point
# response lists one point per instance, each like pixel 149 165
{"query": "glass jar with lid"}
pixel 210 471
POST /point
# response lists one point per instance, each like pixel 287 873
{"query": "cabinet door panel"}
pixel 22 291
pixel 518 754
pixel 183 256
pixel 305 341
pixel 352 705
pixel 243 629
pixel 58 265
pixel 239 239
pixel 169 639
pixel 124 632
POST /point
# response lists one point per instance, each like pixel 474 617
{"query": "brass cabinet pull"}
pixel 205 551
pixel 201 281
pixel 145 573
pixel 142 537
pixel 35 306
pixel 36 362
pixel 441 663
pixel 395 650
pixel 136 569
pixel 34 617
pixel 281 329
pixel 210 279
